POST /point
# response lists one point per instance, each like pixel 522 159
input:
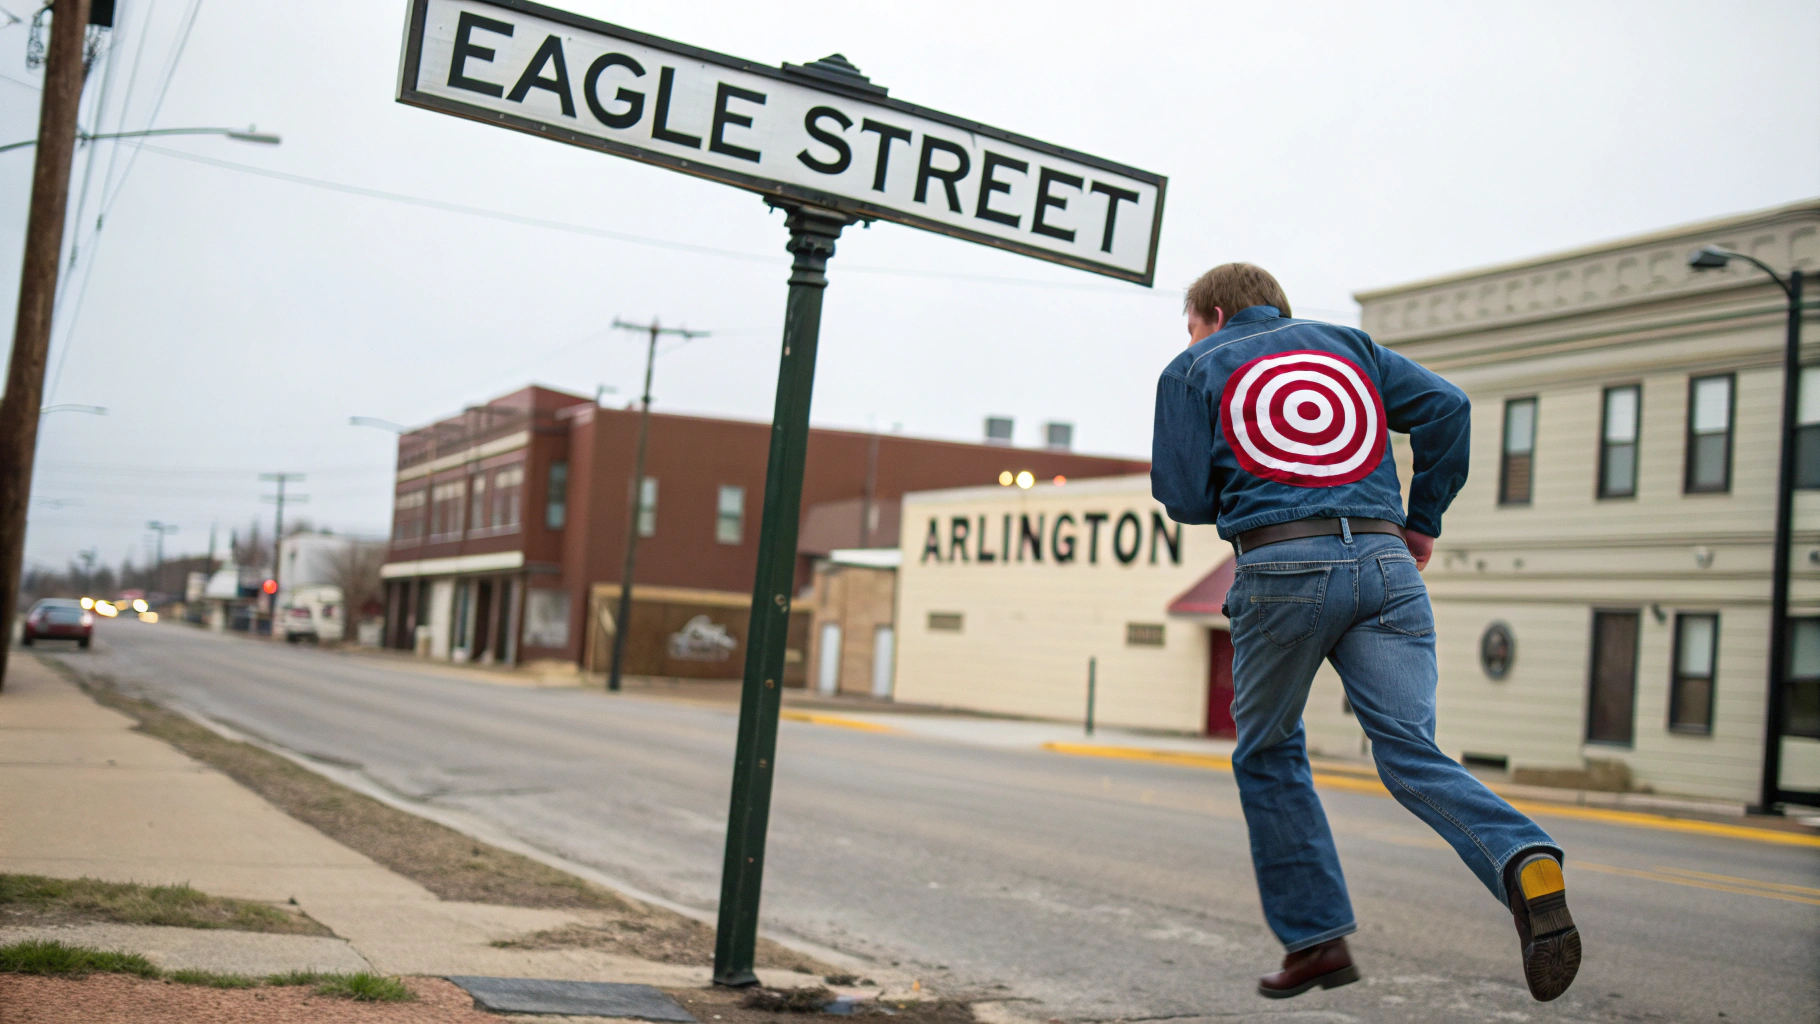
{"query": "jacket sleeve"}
pixel 1437 416
pixel 1181 452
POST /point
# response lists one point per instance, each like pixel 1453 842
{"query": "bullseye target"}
pixel 1307 418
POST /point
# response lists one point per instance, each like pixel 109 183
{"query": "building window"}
pixel 1801 712
pixel 1618 442
pixel 945 622
pixel 998 430
pixel 647 508
pixel 1807 432
pixel 407 516
pixel 730 515
pixel 1690 692
pixel 1611 694
pixel 1709 434
pixel 508 485
pixel 477 519
pixel 556 496
pixel 446 504
pixel 1143 634
pixel 1518 467
pixel 1058 437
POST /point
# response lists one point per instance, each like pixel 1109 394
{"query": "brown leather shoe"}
pixel 1328 965
pixel 1545 930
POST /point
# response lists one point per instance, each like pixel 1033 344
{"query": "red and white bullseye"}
pixel 1308 418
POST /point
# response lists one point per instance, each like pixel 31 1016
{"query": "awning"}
pixel 1205 597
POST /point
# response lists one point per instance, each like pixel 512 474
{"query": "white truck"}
pixel 312 614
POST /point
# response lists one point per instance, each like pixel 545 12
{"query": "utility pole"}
pixel 37 293
pixel 624 619
pixel 278 533
pixel 161 529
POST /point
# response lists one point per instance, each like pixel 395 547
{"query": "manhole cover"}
pixel 579 998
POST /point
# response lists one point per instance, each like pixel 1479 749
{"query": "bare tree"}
pixel 354 568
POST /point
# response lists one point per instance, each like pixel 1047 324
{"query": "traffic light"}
pixel 269 586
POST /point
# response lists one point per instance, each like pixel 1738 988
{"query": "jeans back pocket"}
pixel 1406 607
pixel 1285 604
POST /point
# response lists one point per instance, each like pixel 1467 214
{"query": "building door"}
pixel 483 619
pixel 884 660
pixel 1219 684
pixel 1612 691
pixel 827 678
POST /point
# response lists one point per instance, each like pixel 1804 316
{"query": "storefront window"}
pixel 1618 446
pixel 507 485
pixel 1801 716
pixel 478 518
pixel 647 508
pixel 1690 698
pixel 1518 469
pixel 1709 434
pixel 1807 433
pixel 730 515
pixel 556 497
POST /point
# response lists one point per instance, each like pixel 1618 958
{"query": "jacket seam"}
pixel 1248 337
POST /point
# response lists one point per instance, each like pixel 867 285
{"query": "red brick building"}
pixel 510 520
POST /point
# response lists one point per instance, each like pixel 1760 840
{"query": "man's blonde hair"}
pixel 1233 287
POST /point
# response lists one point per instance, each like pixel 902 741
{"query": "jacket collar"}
pixel 1254 313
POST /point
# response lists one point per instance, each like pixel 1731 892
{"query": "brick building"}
pixel 510 520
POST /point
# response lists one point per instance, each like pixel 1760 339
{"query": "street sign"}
pixel 823 143
pixel 820 133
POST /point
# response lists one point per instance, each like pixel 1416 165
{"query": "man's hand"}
pixel 1421 545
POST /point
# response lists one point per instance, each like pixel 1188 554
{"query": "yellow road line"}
pixel 1749 888
pixel 1216 761
pixel 1354 784
pixel 1799 890
pixel 836 721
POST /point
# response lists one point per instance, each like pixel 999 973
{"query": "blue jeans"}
pixel 1359 601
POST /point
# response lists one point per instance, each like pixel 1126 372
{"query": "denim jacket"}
pixel 1270 420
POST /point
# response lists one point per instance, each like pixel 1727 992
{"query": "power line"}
pixel 108 200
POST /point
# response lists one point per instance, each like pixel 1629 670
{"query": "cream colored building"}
pixel 1092 569
pixel 1618 518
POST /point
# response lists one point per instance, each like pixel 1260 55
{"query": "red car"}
pixel 58 618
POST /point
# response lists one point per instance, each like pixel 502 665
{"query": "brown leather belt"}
pixel 1276 533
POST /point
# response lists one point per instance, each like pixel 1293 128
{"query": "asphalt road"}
pixel 1099 889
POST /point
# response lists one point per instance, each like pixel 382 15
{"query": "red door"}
pixel 1219 684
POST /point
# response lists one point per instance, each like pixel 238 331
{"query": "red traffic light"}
pixel 269 586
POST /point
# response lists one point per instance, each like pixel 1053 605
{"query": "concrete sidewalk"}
pixel 82 795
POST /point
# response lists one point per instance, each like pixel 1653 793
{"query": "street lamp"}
pixel 1711 257
pixel 92 410
pixel 250 133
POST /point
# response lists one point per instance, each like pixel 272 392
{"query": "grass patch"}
pixel 297 978
pixel 209 979
pixel 35 899
pixel 49 957
pixel 440 859
pixel 366 988
pixel 46 956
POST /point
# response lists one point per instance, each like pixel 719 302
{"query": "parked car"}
pixel 312 614
pixel 58 618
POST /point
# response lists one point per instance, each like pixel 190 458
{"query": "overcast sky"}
pixel 231 322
